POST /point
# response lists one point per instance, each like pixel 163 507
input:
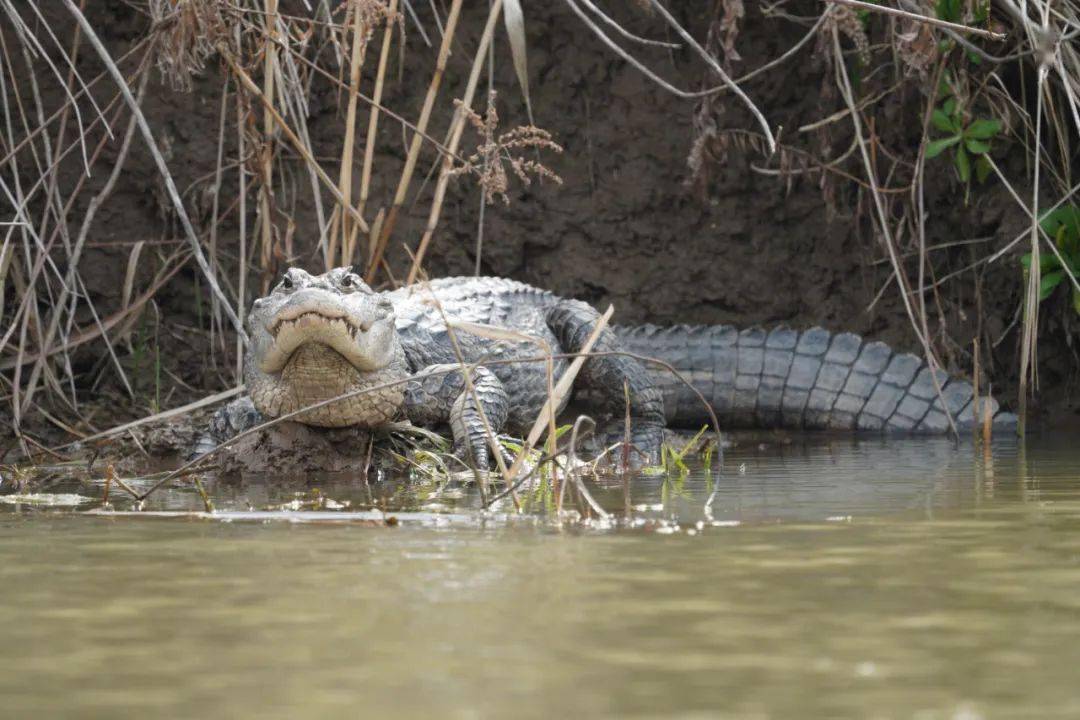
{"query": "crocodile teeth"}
pixel 312 317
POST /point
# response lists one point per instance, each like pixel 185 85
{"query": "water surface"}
pixel 827 578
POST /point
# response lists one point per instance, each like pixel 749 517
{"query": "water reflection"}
pixel 891 579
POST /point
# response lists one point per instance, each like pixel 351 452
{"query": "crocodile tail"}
pixel 810 379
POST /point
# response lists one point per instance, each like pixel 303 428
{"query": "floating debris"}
pixel 46 499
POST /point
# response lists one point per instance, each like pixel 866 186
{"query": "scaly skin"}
pixel 316 337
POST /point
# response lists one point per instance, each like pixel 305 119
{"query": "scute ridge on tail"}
pixel 811 379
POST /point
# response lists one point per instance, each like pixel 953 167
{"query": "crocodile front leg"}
pixel 226 423
pixel 438 396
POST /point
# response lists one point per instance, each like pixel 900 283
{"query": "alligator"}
pixel 318 337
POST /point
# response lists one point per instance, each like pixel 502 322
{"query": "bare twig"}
pixel 637 63
pixel 708 58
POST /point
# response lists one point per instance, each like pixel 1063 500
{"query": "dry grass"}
pixel 271 62
pixel 64 139
pixel 497 150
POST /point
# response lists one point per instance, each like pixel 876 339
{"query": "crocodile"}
pixel 398 355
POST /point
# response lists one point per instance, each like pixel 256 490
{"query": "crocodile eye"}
pixel 347 281
pixel 287 282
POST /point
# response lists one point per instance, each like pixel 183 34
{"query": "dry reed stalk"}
pixel 1027 211
pixel 975 387
pixel 414 147
pixel 215 309
pixel 339 221
pixel 53 190
pixel 7 254
pixel 108 343
pixel 844 84
pixel 265 220
pixel 626 442
pixel 242 261
pixel 76 252
pixel 1029 333
pixel 470 388
pixel 62 131
pixel 479 247
pixel 1029 329
pixel 110 473
pixel 293 139
pixel 457 126
pixel 159 161
pixel 373 121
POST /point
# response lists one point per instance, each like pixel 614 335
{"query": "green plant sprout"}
pixel 1063 225
pixel 967 138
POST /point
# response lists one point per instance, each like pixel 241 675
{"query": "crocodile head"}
pixel 315 337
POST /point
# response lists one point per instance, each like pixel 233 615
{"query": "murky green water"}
pixel 899 579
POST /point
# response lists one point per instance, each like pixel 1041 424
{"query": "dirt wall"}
pixel 626 227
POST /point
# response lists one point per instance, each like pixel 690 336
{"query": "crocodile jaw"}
pixel 316 344
pixel 360 334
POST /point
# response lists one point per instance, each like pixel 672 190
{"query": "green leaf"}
pixel 935 148
pixel 942 121
pixel 1059 237
pixel 983 129
pixel 1048 282
pixel 1066 216
pixel 948 10
pixel 982 12
pixel 963 165
pixel 1048 261
pixel 982 169
pixel 950 107
pixel 976 147
pixel 944 88
pixel 1070 246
